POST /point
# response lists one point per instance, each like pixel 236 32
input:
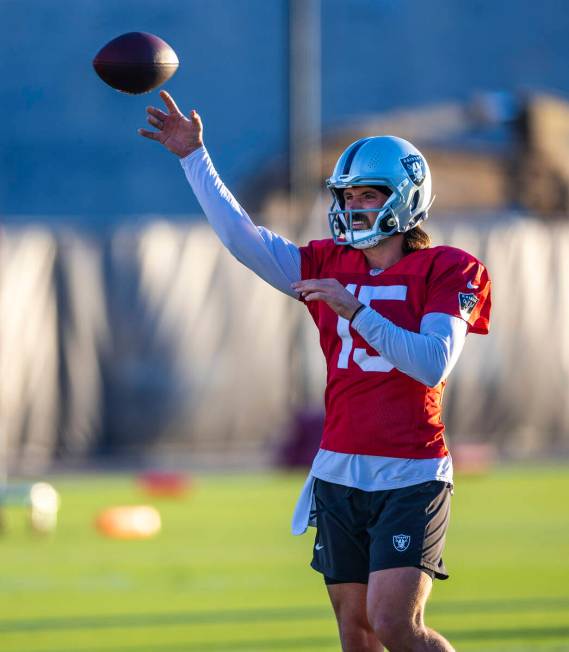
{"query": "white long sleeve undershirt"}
pixel 427 356
pixel 274 258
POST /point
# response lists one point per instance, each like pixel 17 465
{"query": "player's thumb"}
pixel 195 118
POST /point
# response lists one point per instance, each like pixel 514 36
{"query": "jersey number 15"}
pixel 366 295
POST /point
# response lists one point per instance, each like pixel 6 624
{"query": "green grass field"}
pixel 226 575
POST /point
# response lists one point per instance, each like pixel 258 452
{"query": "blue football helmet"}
pixel 399 170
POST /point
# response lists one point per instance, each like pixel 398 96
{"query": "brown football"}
pixel 136 62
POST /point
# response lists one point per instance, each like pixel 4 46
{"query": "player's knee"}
pixel 394 631
pixel 358 637
pixel 355 631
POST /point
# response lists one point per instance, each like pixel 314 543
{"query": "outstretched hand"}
pixel 177 133
pixel 331 291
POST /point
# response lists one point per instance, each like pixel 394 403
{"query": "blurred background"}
pixel 124 325
pixel 131 341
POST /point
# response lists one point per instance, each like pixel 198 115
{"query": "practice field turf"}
pixel 226 575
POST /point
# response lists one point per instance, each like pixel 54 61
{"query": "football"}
pixel 136 62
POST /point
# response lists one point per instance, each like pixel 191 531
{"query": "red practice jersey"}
pixel 371 407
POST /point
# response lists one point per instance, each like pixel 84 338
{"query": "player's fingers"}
pixel 309 284
pixel 195 117
pixel 315 296
pixel 153 135
pixel 169 102
pixel 159 124
pixel 157 113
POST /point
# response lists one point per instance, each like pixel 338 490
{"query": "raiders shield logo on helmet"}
pixel 401 542
pixel 415 167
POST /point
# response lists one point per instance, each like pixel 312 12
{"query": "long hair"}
pixel 416 239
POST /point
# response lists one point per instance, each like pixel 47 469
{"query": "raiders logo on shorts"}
pixel 401 542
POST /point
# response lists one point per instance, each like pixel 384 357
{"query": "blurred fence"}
pixel 156 343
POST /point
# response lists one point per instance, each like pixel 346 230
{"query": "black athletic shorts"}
pixel 359 532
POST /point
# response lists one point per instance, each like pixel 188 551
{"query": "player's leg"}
pixel 407 536
pixel 341 552
pixel 396 605
pixel 349 602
